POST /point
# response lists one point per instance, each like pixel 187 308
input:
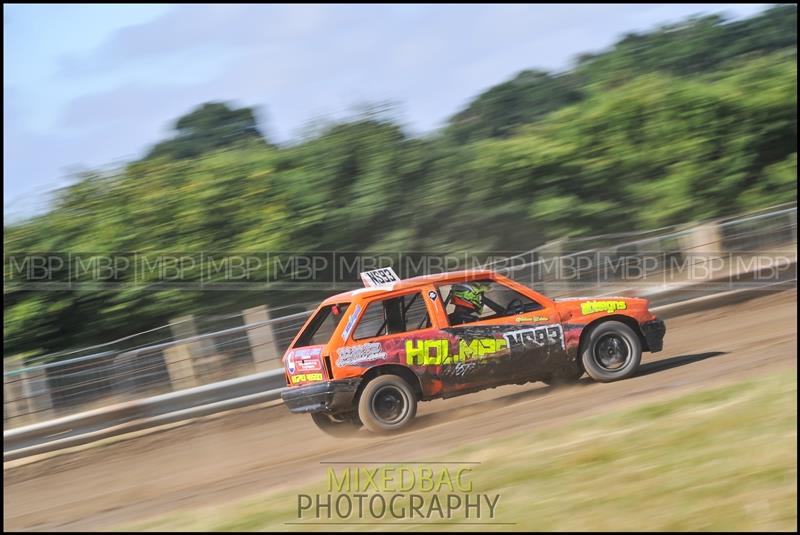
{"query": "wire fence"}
pixel 712 256
pixel 42 391
pixel 194 351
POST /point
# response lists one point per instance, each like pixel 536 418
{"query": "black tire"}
pixel 387 404
pixel 337 426
pixel 611 352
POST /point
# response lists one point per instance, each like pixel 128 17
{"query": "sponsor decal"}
pixel 593 307
pixel 536 336
pixel 304 359
pixel 307 352
pixel 350 322
pixel 437 352
pixel 535 318
pixel 306 377
pixel 355 355
pixel 309 365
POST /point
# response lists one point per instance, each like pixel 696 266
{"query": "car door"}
pixel 526 329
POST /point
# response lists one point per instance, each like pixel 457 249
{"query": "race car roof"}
pixel 414 282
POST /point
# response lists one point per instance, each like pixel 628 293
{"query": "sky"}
pixel 89 86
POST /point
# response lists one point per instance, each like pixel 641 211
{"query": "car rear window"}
pixel 321 327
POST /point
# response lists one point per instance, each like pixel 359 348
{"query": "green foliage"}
pixel 694 47
pixel 681 124
pixel 212 126
pixel 499 111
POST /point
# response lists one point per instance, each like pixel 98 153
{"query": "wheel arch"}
pixel 627 320
pixel 390 369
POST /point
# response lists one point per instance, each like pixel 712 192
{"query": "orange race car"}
pixel 368 356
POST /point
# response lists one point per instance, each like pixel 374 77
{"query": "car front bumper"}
pixel 654 332
pixel 328 396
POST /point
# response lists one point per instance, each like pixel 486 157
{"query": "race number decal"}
pixel 377 277
pixel 536 336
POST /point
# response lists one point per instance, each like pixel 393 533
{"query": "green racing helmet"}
pixel 469 295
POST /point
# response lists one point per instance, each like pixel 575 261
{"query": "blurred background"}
pixel 305 128
pixel 214 133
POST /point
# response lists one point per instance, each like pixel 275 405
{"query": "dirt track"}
pixel 257 451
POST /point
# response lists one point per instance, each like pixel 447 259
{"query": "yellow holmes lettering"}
pixel 467 351
pixel 415 352
pixel 448 358
pixel 492 345
pixel 441 349
pixel 427 352
pixel 437 352
pixel 478 348
pixel 431 360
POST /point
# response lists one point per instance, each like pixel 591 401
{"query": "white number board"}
pixel 378 277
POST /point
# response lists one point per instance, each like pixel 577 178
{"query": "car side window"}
pixel 416 313
pixel 372 322
pixel 394 315
pixel 499 301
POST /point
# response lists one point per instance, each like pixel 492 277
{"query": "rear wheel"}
pixel 611 352
pixel 387 404
pixel 339 426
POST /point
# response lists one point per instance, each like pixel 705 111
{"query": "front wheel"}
pixel 387 404
pixel 611 352
pixel 337 426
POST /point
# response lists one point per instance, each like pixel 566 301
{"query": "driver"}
pixel 468 299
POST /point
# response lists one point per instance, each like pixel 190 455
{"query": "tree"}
pixel 211 126
pixel 498 112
